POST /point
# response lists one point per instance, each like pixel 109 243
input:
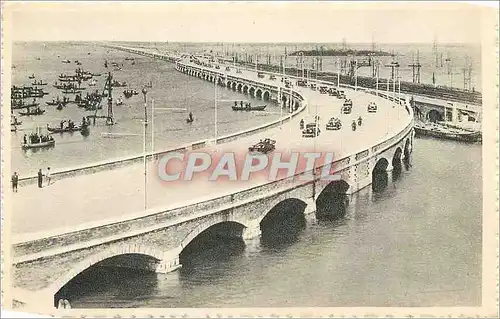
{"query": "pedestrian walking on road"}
pixel 15 179
pixel 40 178
pixel 49 177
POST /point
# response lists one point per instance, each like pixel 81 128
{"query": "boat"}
pixel 57 102
pixel 92 82
pixel 64 129
pixel 39 83
pixel 37 111
pixel 118 84
pixel 248 107
pixel 23 106
pixel 31 76
pixel 48 143
pixel 66 61
pixel 119 101
pixel 443 132
pixel 334 124
pixel 129 93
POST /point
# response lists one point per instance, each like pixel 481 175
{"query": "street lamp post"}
pixel 145 92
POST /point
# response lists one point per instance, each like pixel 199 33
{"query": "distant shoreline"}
pixel 339 53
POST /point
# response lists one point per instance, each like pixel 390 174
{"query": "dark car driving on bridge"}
pixel 347 107
pixel 311 130
pixel 264 146
pixel 372 107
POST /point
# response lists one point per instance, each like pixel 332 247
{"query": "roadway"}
pixel 96 199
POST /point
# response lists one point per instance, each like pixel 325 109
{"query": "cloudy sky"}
pixel 245 22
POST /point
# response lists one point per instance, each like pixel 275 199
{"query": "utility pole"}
pixel 415 68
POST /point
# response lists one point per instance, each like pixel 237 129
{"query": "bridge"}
pixel 115 224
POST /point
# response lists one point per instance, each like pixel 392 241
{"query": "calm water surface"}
pixel 418 243
pixel 171 89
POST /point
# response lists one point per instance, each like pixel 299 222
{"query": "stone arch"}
pixel 406 153
pixel 202 227
pixel 233 86
pixel 251 91
pixel 266 95
pixel 297 105
pixel 379 174
pixel 113 251
pixel 239 87
pixel 434 116
pixel 229 84
pixel 245 89
pixel 397 163
pixel 258 93
pixel 332 201
pixel 283 221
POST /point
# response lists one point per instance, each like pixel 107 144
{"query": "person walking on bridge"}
pixel 48 176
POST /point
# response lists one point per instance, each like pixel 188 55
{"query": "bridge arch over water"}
pixel 122 256
pixel 258 93
pixel 332 201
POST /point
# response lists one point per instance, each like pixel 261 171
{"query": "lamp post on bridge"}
pixel 145 92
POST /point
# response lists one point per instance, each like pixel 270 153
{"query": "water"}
pixel 171 89
pixel 417 243
pixel 448 74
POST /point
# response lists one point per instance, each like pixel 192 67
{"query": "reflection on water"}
pixel 416 243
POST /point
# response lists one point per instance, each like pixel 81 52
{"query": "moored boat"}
pixel 48 143
pixel 443 132
pixel 249 108
pixel 64 129
pixel 37 111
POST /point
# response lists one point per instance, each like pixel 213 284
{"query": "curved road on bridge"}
pixel 97 199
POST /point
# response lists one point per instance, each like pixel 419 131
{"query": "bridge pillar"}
pixel 252 231
pixel 170 262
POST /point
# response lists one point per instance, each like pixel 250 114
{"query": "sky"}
pixel 314 22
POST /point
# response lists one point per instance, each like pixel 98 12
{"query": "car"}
pixel 334 124
pixel 332 91
pixel 264 146
pixel 228 68
pixel 272 77
pixel 346 109
pixel 340 94
pixel 260 75
pixel 311 130
pixel 313 86
pixel 372 107
pixel 302 83
pixel 323 90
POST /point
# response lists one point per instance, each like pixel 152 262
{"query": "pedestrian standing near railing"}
pixel 15 179
pixel 40 178
pixel 48 176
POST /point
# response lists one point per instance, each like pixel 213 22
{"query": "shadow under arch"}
pixel 109 274
pixel 283 223
pixel 332 202
pixel 380 178
pixel 434 116
pixel 397 164
pixel 407 154
pixel 207 243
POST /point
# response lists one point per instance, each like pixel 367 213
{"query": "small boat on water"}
pixel 49 143
pixel 443 132
pixel 65 129
pixel 39 83
pixel 31 76
pixel 119 101
pixel 66 61
pixel 92 82
pixel 19 106
pixel 118 84
pixel 248 107
pixel 37 111
pixel 129 93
